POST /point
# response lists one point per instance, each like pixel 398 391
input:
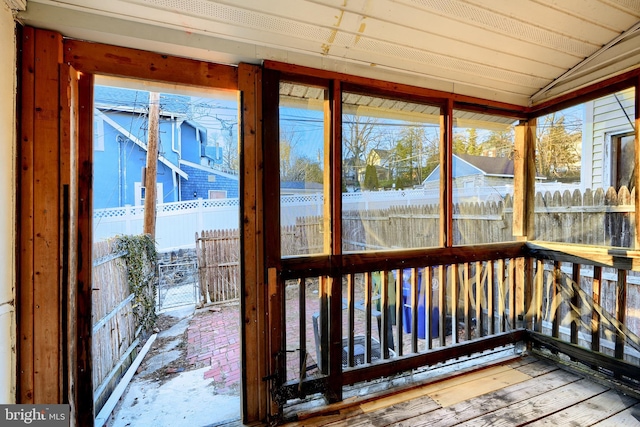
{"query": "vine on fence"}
pixel 141 259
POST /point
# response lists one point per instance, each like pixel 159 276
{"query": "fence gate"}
pixel 218 255
pixel 177 284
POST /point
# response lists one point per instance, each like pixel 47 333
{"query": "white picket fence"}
pixel 177 223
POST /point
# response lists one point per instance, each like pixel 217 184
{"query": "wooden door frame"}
pixel 63 101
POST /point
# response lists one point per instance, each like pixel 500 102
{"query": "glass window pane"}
pixel 585 171
pixel 482 171
pixel 302 136
pixel 389 150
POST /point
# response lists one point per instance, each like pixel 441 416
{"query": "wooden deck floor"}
pixel 526 391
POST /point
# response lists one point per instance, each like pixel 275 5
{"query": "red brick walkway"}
pixel 214 340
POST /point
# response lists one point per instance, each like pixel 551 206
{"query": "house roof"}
pixel 467 165
pixel 520 52
pixel 489 165
pixel 138 142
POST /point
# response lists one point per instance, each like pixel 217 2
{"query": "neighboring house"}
pixel 290 188
pixel 608 141
pixel 382 160
pixel 475 171
pixel 206 182
pixel 186 164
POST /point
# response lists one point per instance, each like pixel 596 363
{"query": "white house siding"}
pixel 607 119
pixel 7 212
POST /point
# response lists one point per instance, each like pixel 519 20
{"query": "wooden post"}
pixel 636 164
pixel 84 176
pixel 253 303
pixel 446 176
pixel 152 166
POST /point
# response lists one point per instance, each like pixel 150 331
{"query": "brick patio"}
pixel 213 339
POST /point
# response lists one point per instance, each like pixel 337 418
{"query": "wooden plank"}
pixel 624 259
pixel 446 175
pixel 621 312
pixel 84 202
pixel 98 58
pixel 252 287
pixel 617 366
pixel 26 223
pixel 537 368
pixel 46 207
pixel 539 406
pixel 520 182
pixel 432 389
pixel 636 161
pixel 455 297
pixel 595 315
pixel 494 401
pixel 431 358
pixel 393 87
pixel 628 417
pixel 69 166
pixel 450 395
pixel 590 411
pixel 276 350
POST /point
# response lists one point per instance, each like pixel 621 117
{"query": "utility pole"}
pixel 152 166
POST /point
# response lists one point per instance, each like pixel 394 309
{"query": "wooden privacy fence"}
pixel 595 218
pixel 218 254
pixel 114 338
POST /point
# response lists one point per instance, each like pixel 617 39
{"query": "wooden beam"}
pixel 24 290
pixel 47 375
pixel 98 58
pixel 446 176
pixel 253 304
pixel 84 201
pixel 583 355
pixel 636 163
pixel 69 230
pixel 271 157
pixel 625 259
pixel 433 357
pixel 390 87
pixel 520 183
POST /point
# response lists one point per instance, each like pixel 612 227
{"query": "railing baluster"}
pixel 455 295
pixel 539 292
pixel 490 298
pixel 442 302
pixel 399 309
pixel 384 308
pixel 555 293
pixel 324 325
pixel 479 300
pixel 575 303
pixel 367 315
pixel 502 297
pixel 302 300
pixel 351 319
pixel 512 293
pixel 427 288
pixel 595 315
pixel 414 310
pixel 621 313
pixel 466 273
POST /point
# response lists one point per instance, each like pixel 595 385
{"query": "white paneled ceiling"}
pixel 516 51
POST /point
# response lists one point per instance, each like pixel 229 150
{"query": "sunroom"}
pixel 477 207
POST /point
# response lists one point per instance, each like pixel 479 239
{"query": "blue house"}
pixel 188 168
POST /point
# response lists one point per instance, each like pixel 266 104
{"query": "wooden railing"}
pixel 586 304
pixel 358 317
